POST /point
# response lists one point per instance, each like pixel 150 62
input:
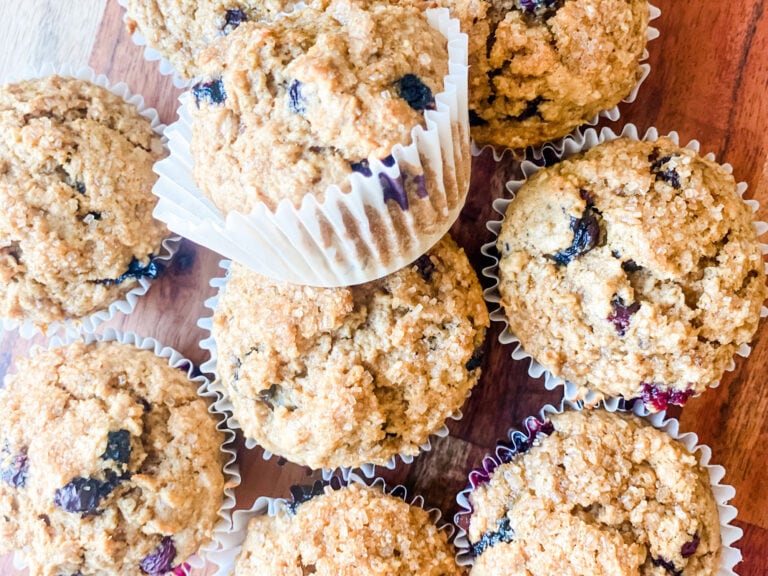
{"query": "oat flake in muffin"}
pixel 332 377
pixel 632 270
pixel 352 531
pixel 109 462
pixel 540 68
pixel 289 108
pixel 76 226
pixel 603 494
pixel 180 29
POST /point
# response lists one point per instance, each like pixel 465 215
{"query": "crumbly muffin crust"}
pixel 348 532
pixel 289 108
pixel 540 68
pixel 633 270
pixel 76 193
pixel 109 462
pixel 604 494
pixel 181 29
pixel 332 377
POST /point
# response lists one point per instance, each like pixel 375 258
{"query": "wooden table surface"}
pixel 709 81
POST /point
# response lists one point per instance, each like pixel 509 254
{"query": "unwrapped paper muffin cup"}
pixel 232 539
pixel 127 303
pixel 210 367
pixel 348 238
pixel 570 146
pixel 505 452
pixel 205 389
pixel 613 114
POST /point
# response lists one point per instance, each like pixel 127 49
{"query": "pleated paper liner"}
pixel 170 245
pixel 205 389
pixel 348 238
pixel 232 540
pixel 210 367
pixel 525 436
pixel 570 146
pixel 613 114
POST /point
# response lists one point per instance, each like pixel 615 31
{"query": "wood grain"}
pixel 709 81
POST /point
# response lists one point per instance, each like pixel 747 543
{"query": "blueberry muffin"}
pixel 355 530
pixel 632 270
pixel 540 68
pixel 180 29
pixel 289 108
pixel 76 229
pixel 603 494
pixel 109 462
pixel 331 377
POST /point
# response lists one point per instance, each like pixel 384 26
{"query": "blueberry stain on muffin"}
pixel 418 95
pixel 211 92
pixel 16 472
pixel 118 447
pixel 161 560
pixel 503 533
pixel 296 101
pixel 233 19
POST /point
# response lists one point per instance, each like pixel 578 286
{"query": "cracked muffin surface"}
pixel 76 226
pixel 331 377
pixel 289 108
pixel 603 494
pixel 345 532
pixel 109 462
pixel 540 68
pixel 633 270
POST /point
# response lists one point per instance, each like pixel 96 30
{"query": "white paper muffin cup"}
pixel 205 389
pixel 570 146
pixel 232 540
pixel 348 238
pixel 730 555
pixel 613 114
pixel 170 245
pixel 210 367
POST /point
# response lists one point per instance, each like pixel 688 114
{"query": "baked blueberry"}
pixel 418 95
pixel 212 92
pixel 84 495
pixel 233 19
pixel 301 494
pixel 118 446
pixel 137 270
pixel 161 560
pixel 15 473
pixel 659 398
pixel 425 267
pixel 586 234
pixel 503 533
pixel 622 313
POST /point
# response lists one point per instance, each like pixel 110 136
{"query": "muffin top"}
pixel 603 494
pixel 76 228
pixel 540 68
pixel 348 532
pixel 633 270
pixel 109 462
pixel 332 377
pixel 289 108
pixel 181 29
